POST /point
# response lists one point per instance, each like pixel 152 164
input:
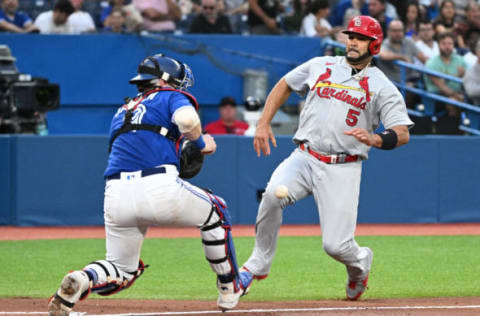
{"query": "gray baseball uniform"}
pixel 336 101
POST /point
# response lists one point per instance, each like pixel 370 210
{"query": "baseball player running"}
pixel 346 99
pixel 143 188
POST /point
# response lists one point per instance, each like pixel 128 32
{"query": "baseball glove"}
pixel 191 160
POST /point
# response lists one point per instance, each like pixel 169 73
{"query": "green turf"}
pixel 431 266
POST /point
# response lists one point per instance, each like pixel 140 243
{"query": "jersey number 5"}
pixel 352 117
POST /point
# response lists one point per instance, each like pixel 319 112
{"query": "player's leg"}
pixel 293 173
pixel 122 265
pixel 210 213
pixel 336 191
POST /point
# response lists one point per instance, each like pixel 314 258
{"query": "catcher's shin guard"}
pixel 218 242
pixel 108 279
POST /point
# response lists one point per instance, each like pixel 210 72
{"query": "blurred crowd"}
pixel 292 17
pixel 441 35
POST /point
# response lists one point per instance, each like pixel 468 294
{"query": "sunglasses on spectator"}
pixel 208 7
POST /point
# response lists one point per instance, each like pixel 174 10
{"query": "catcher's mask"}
pixel 159 66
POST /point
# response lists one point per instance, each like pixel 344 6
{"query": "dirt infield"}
pixel 435 306
pixel 23 233
pixel 424 306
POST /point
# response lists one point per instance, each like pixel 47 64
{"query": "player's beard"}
pixel 358 60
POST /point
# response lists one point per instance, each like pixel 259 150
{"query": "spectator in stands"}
pixel 470 57
pixel 471 22
pixel 235 7
pixel 471 81
pixel 376 9
pixel 262 16
pixel 426 43
pixel 210 20
pixel 81 21
pixel 398 47
pixel 158 15
pixel 450 63
pixel 445 22
pixel 460 7
pixel 133 18
pixel 188 7
pixel 316 23
pixel 337 17
pixel 228 123
pixel 116 22
pixel 56 21
pixel 411 20
pixel 12 20
pixel 292 22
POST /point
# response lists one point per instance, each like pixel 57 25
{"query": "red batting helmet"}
pixel 369 27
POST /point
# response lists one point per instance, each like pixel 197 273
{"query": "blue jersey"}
pixel 140 149
pixel 20 18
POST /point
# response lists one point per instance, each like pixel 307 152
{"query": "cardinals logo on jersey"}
pixel 326 89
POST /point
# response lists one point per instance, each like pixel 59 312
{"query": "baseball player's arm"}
pixel 375 140
pixel 263 132
pixel 189 125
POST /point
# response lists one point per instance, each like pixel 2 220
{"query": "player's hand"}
pixel 210 145
pixel 363 136
pixel 263 134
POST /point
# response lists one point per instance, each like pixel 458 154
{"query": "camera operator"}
pixel 24 100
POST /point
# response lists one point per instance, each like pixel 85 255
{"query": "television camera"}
pixel 24 100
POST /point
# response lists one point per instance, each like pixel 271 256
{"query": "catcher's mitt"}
pixel 191 160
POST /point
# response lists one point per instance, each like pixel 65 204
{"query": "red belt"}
pixel 339 158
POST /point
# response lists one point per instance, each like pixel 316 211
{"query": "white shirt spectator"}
pixel 44 22
pixel 309 24
pixel 471 83
pixel 428 51
pixel 81 22
pixel 470 59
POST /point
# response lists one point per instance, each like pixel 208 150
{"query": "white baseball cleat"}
pixel 71 288
pixel 356 288
pixel 228 295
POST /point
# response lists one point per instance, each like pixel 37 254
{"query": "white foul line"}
pixel 283 310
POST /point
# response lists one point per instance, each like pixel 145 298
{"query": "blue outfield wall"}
pixel 57 180
pixel 93 70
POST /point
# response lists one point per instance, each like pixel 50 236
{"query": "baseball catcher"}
pixel 144 187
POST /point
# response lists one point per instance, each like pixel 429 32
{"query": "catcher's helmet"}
pixel 369 27
pixel 159 66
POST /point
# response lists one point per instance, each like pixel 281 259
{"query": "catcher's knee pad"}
pixel 218 242
pixel 107 279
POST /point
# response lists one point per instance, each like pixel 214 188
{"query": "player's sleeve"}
pixel 392 108
pixel 176 101
pixel 297 78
